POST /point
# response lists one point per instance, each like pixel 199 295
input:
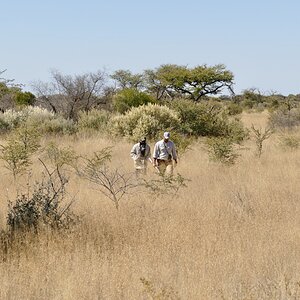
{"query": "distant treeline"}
pixel 67 95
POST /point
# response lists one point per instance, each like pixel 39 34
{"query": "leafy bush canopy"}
pixel 207 119
pixel 93 120
pixel 146 120
pixel 130 97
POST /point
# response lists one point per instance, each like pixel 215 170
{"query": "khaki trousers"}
pixel 165 167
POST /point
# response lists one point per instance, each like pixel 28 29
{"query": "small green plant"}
pixel 165 184
pixel 222 150
pixel 62 156
pixel 290 142
pixel 19 147
pixel 260 136
pixel 112 183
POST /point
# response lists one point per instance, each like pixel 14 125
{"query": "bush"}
pixel 14 118
pixel 58 125
pixel 222 150
pixel 284 118
pixel 43 208
pixel 205 119
pixel 4 126
pixel 147 120
pixel 93 120
pixel 234 109
pixel 19 147
pixel 290 142
pixel 24 98
pixel 44 120
pixel 128 98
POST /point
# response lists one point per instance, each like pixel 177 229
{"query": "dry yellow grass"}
pixel 234 233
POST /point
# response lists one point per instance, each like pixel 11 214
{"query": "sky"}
pixel 257 40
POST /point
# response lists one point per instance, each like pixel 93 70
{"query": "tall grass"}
pixel 232 234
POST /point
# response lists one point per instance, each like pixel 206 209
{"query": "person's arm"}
pixel 155 155
pixel 133 153
pixel 174 154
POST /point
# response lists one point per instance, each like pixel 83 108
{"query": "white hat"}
pixel 167 135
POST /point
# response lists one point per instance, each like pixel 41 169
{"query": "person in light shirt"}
pixel 164 154
pixel 140 153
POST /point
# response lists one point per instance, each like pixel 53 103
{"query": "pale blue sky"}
pixel 257 40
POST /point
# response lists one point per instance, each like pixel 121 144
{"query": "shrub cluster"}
pixel 46 121
pixel 284 118
pixel 130 97
pixel 93 120
pixel 146 120
pixel 207 119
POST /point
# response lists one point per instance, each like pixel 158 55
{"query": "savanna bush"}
pixel 16 117
pixel 146 120
pixel 234 109
pixel 207 119
pixel 93 120
pixel 20 145
pixel 58 125
pixel 24 98
pixel 130 97
pixel 284 118
pixel 44 207
pixel 44 120
pixel 289 141
pixel 222 149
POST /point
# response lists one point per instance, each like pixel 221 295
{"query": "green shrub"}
pixel 93 120
pixel 206 119
pixel 128 98
pixel 147 120
pixel 222 150
pixel 4 126
pixel 58 125
pixel 24 98
pixel 290 142
pixel 234 109
pixel 20 145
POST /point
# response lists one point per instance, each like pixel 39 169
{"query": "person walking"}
pixel 140 153
pixel 164 154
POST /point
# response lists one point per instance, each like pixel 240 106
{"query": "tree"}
pixel 68 94
pixel 173 80
pixel 126 80
pixel 154 84
pixel 128 98
pixel 252 97
pixel 11 94
pixel 24 98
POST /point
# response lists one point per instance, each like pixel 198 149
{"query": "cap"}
pixel 143 140
pixel 167 135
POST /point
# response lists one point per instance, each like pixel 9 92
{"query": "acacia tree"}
pixel 126 80
pixel 173 80
pixel 68 94
pixel 11 94
pixel 155 85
